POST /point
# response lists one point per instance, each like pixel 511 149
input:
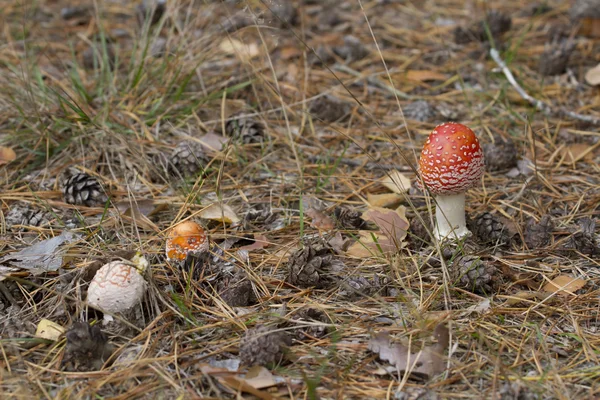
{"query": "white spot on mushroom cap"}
pixel 116 287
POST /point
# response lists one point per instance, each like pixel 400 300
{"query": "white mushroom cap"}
pixel 117 286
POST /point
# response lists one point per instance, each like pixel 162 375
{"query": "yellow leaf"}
pixel 7 155
pixel 592 76
pixel 383 200
pixel 220 213
pixel 396 181
pixel 235 47
pixel 424 75
pixel 564 285
pixel 49 330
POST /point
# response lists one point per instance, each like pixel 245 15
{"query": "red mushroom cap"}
pixel 451 160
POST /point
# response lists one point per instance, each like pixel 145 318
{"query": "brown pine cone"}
pixel 348 218
pixel 555 58
pixel 263 345
pixel 328 108
pixel 307 267
pixel 491 229
pixel 245 129
pixel 538 235
pixel 83 189
pixel 312 315
pixel 473 274
pixel 25 214
pixel 419 234
pixel 187 159
pixel 500 155
pixel 237 291
pixel 262 218
pixel 584 240
pixel 87 347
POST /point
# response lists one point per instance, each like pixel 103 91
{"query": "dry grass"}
pixel 111 123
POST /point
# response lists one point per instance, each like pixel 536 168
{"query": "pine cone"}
pixel 419 111
pixel 348 218
pixel 187 159
pixel 497 22
pixel 87 347
pixel 358 287
pixel 83 189
pixel 246 129
pixel 328 108
pixel 538 235
pixel 312 315
pixel 25 214
pixel 491 229
pixel 237 291
pixel 263 346
pixel 307 267
pixel 150 9
pixel 473 274
pixel 262 219
pixel 555 58
pixel 500 155
pixel 584 240
pixel 419 234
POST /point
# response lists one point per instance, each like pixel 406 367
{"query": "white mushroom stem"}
pixel 450 217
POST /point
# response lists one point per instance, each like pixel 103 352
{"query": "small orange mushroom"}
pixel 186 238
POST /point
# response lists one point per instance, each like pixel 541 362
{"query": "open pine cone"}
pixel 491 229
pixel 538 235
pixel 473 274
pixel 84 190
pixel 263 345
pixel 307 267
pixel 245 129
pixel 187 159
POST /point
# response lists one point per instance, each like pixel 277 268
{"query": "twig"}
pixel 373 81
pixel 366 165
pixel 538 104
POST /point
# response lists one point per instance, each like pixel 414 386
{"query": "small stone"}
pixel 68 13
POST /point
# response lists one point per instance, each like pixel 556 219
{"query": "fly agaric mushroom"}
pixel 186 238
pixel 118 286
pixel 451 163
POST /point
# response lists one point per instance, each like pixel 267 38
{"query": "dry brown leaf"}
pixel 213 141
pixel 260 242
pixel 577 152
pixel 290 52
pixel 259 377
pixel 520 296
pixel 235 47
pixel 368 245
pixel 423 364
pixel 396 181
pixel 319 219
pixel 7 155
pixel 392 223
pixel 564 285
pixel 49 330
pixel 220 213
pixel 383 200
pixel 424 75
pixel 592 76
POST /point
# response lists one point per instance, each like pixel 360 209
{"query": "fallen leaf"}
pixel 564 285
pixel 592 76
pixel 396 181
pixel 138 207
pixel 392 223
pixel 423 364
pixel 424 75
pixel 49 330
pixel 213 141
pixel 43 256
pixel 576 152
pixel 320 220
pixel 384 200
pixel 260 242
pixel 290 52
pixel 520 296
pixel 259 377
pixel 7 155
pixel 245 51
pixel 368 245
pixel 220 213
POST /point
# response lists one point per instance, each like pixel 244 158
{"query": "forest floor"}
pixel 291 132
